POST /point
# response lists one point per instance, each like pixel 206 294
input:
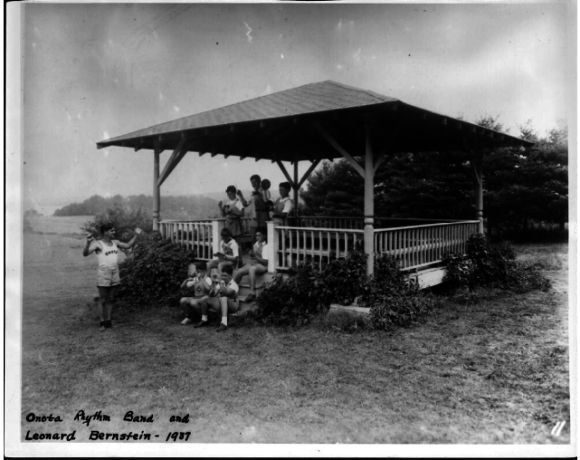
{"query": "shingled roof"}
pixel 278 126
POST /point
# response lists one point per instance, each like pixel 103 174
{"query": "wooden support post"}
pixel 478 169
pixel 273 246
pixel 216 229
pixel 295 187
pixel 369 208
pixel 156 189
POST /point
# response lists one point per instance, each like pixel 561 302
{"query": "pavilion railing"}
pixel 293 245
pixel 416 246
pixel 198 235
pixel 357 223
pixel 195 235
pixel 421 246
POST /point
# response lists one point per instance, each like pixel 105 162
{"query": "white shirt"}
pixel 262 250
pixel 107 256
pixel 237 203
pixel 234 287
pixel 282 205
pixel 230 248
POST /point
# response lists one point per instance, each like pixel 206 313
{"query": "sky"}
pixel 94 71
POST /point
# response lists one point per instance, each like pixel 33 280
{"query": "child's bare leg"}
pixel 112 296
pixel 203 305
pixel 257 269
pixel 241 273
pixel 214 263
pixel 224 305
pixel 195 309
pixel 184 304
pixel 103 300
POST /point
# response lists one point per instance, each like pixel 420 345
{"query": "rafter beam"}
pixel 337 146
pixel 174 160
pixel 379 162
pixel 283 168
pixel 314 164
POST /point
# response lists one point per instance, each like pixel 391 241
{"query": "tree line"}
pixel 173 207
pixel 522 187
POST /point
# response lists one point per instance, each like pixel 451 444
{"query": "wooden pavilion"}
pixel 311 123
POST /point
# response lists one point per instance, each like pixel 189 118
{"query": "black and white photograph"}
pixel 290 229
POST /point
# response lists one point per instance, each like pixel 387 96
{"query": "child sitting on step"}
pixel 196 287
pixel 258 265
pixel 225 302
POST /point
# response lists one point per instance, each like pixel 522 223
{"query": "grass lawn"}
pixel 493 372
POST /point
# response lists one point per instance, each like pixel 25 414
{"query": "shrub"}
pixel 344 278
pixel 390 309
pixel 123 218
pixel 308 293
pixel 154 273
pixel 392 299
pixel 294 301
pixel 491 265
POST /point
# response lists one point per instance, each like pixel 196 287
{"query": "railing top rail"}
pixel 383 218
pixel 318 229
pixel 379 230
pixel 180 221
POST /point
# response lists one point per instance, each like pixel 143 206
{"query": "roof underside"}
pixel 282 126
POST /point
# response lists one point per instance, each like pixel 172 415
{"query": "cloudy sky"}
pixel 92 71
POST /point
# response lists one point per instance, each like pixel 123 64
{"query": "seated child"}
pixel 195 288
pixel 229 253
pixel 225 302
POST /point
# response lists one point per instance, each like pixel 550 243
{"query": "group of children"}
pixel 214 286
pixel 259 208
pixel 218 290
pixel 210 286
pixel 204 292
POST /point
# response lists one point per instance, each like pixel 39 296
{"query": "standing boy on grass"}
pixel 108 280
pixel 225 302
pixel 198 285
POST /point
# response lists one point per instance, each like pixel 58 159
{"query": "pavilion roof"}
pixel 282 126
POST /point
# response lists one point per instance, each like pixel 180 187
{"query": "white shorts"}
pixel 108 276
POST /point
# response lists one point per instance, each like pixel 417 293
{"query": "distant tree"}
pixel 524 186
pixel 123 218
pixel 335 189
pixel 172 207
pixel 520 185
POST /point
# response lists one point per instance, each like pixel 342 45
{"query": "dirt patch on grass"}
pixel 493 372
